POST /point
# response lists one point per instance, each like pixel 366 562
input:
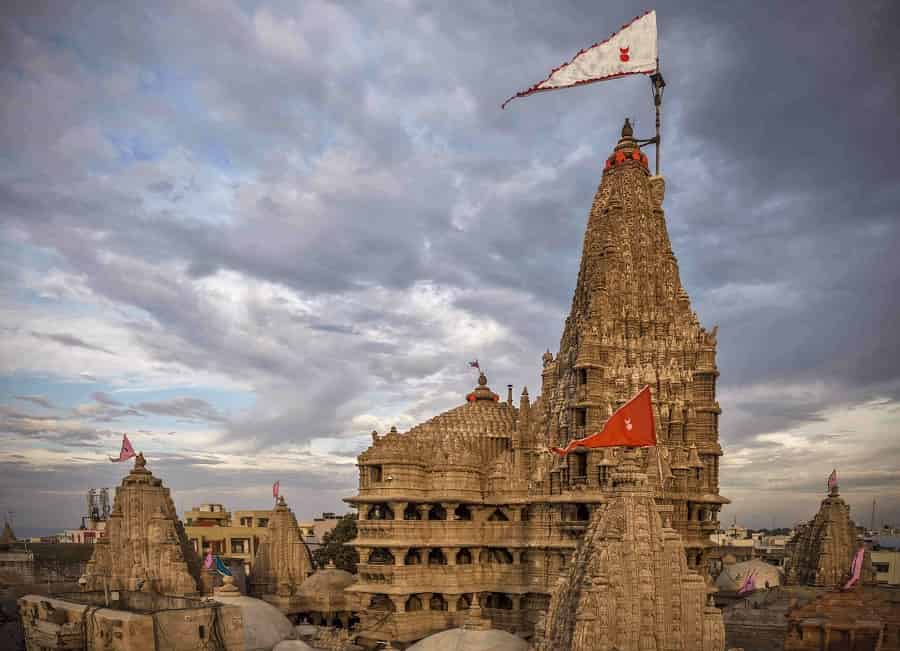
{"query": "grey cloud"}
pixel 184 407
pixel 69 340
pixel 384 161
pixel 40 401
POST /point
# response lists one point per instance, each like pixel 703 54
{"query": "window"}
pixel 240 546
pixel 881 567
pixel 498 516
pixel 582 376
pixel 436 557
pixel 462 512
pixel 580 469
pixel 413 604
pixel 262 522
pixel 581 416
pixel 437 512
pixel 375 473
pixel 202 631
pixel 411 512
pixel 464 557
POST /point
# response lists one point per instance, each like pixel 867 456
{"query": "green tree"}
pixel 334 546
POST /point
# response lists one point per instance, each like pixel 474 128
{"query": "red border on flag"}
pixel 535 89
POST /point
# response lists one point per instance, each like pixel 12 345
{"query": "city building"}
pixel 885 553
pixel 470 509
pixel 211 528
pixel 237 535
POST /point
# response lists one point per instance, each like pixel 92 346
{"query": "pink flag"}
pixel 832 480
pixel 127 451
pixel 275 488
pixel 475 364
pixel 856 568
pixel 749 584
pixel 208 561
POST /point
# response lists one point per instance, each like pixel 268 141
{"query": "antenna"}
pixel 872 523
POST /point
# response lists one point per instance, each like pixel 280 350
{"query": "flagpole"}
pixel 657 85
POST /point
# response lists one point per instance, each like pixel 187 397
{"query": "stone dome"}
pixel 732 576
pixel 471 640
pixel 324 590
pixel 292 645
pixel 264 625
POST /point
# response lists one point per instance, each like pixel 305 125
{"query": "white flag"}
pixel 630 51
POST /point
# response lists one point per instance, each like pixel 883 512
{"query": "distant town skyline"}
pixel 249 233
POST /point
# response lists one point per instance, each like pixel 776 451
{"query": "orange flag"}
pixel 631 426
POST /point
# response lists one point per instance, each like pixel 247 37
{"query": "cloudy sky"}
pixel 248 233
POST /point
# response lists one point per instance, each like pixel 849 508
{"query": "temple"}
pixel 822 549
pixel 282 560
pixel 145 547
pixel 628 586
pixel 470 509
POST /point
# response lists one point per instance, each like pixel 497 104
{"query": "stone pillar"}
pixel 451 509
pixel 426 600
pixel 423 510
pixel 399 602
pixel 399 508
pixel 450 553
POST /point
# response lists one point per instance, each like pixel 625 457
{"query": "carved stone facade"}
pixel 861 619
pixel 628 586
pixel 283 561
pixel 470 510
pixel 822 549
pixel 145 547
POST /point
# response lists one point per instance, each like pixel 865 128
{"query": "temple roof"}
pixel 453 437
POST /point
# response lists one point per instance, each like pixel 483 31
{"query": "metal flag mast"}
pixel 658 84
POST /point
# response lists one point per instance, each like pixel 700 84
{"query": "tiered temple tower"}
pixel 282 561
pixel 470 511
pixel 629 587
pixel 631 325
pixel 822 549
pixel 145 547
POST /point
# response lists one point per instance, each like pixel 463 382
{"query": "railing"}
pixel 415 579
pixel 435 533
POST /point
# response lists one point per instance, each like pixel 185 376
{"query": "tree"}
pixel 335 546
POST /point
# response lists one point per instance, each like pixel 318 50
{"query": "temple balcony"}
pixel 446 533
pixel 454 579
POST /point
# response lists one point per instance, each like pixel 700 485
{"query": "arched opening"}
pixel 437 512
pixel 527 558
pixel 437 602
pixel 498 600
pixel 380 512
pixel 381 602
pixel 463 512
pixel 464 602
pixel 413 604
pixel 498 516
pixel 495 555
pixel 526 514
pixel 464 557
pixel 411 512
pixel 381 556
pixel 582 512
pixel 413 557
pixel 436 557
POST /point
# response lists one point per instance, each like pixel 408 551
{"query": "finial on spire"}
pixel 627 130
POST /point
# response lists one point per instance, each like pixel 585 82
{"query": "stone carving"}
pixel 487 461
pixel 628 583
pixel 821 551
pixel 282 561
pixel 145 547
